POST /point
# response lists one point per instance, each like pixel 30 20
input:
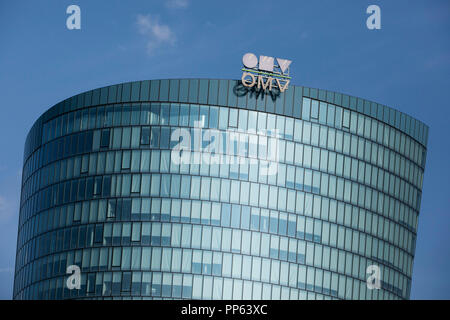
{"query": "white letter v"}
pixel 284 64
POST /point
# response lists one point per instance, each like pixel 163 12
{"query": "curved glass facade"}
pixel 101 190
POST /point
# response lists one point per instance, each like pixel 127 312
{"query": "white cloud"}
pixel 157 34
pixel 177 4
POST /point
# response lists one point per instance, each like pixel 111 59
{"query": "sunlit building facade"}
pixel 102 190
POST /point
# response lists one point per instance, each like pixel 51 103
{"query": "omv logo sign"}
pixel 265 63
pixel 265 72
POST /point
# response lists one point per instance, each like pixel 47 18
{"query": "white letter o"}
pixel 250 60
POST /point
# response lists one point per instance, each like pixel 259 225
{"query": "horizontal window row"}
pixel 233 167
pixel 298 202
pixel 290 153
pixel 206 263
pixel 356 123
pixel 233 93
pixel 246 145
pixel 234 240
pixel 224 118
pixel 236 216
pixel 144 286
pixel 216 189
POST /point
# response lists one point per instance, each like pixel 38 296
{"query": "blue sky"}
pixel 405 65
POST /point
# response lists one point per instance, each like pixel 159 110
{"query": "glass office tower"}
pixel 102 190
